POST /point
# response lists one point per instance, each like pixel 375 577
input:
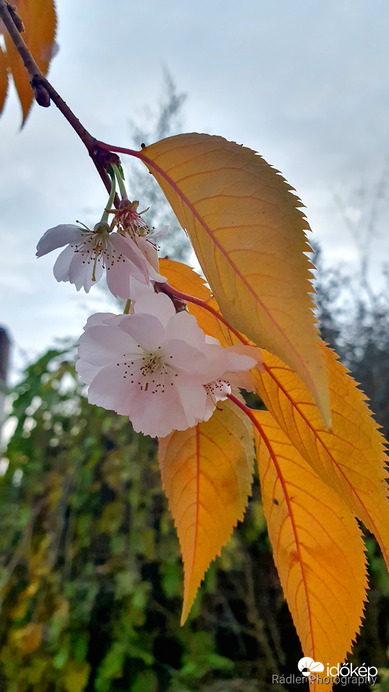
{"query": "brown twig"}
pixel 45 93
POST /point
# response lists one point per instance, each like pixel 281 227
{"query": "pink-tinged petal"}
pixel 104 345
pixel 118 280
pixel 58 237
pixel 62 264
pixel 145 330
pixel 156 276
pixel 247 351
pixel 216 391
pixel 158 414
pixel 111 390
pixel 86 372
pixel 81 272
pixel 136 289
pixel 184 326
pixel 155 304
pixel 235 362
pixel 217 362
pixel 211 340
pixel 244 380
pixel 130 250
pixel 101 318
pixel 194 399
pixel 158 232
pixel 225 360
pixel 149 251
pixel 186 358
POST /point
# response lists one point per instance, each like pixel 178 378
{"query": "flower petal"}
pixel 101 318
pixel 111 390
pixel 184 326
pixel 194 400
pixel 62 264
pixel 105 345
pixel 158 414
pixel 57 237
pixel 130 250
pixel 149 250
pixel 145 330
pixel 187 358
pixel 155 304
pixel 84 271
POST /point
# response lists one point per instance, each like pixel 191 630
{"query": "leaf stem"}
pixel 246 410
pixel 102 157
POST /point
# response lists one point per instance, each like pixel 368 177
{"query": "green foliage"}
pixel 90 579
pixel 90 576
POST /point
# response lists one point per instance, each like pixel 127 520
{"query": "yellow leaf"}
pixel 39 19
pixel 351 458
pixel 28 638
pixel 206 473
pixel 3 79
pixel 317 544
pixel 247 230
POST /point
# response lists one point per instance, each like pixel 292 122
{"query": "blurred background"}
pixel 90 578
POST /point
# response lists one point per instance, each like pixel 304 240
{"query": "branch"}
pixel 45 93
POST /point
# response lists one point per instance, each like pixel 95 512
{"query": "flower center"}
pixel 150 372
pixel 97 244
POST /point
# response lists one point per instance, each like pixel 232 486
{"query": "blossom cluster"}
pixel 154 365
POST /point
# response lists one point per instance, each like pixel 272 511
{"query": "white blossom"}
pixel 157 366
pixel 89 252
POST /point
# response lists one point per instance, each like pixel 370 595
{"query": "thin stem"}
pixel 104 218
pixel 127 307
pixel 44 91
pixel 121 150
pixel 120 181
pixel 246 410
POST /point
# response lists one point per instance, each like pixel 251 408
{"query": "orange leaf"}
pixel 351 458
pixel 3 79
pixel 318 547
pixel 184 278
pixel 248 233
pixel 40 22
pixel 206 473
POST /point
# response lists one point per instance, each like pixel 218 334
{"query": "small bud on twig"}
pixel 15 17
pixel 41 94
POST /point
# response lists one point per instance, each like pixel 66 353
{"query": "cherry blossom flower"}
pixel 157 366
pixel 89 252
pixel 130 221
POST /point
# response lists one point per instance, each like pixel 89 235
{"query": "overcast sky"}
pixel 305 83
